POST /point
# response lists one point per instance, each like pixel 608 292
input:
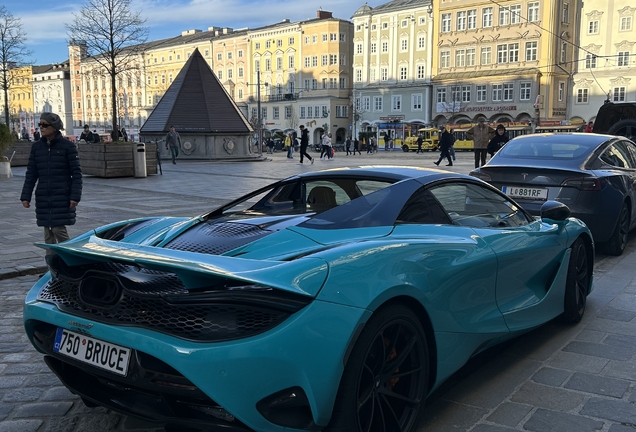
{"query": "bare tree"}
pixel 13 51
pixel 114 37
pixel 292 120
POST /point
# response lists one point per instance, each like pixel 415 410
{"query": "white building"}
pixel 52 93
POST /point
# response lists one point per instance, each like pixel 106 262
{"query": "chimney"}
pixel 321 14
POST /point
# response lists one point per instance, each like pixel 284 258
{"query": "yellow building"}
pixel 509 60
pixel 305 76
pixel 231 61
pixel 21 100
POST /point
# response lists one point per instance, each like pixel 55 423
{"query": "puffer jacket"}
pixel 54 165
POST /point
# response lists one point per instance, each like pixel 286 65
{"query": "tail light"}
pixel 585 183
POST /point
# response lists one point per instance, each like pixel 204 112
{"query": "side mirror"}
pixel 555 210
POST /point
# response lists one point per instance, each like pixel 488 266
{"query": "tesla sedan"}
pixel 593 174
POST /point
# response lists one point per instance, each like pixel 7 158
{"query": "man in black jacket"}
pixel 54 166
pixel 304 142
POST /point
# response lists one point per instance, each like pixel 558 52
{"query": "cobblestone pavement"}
pixel 557 378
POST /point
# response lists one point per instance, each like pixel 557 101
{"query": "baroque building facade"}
pixel 606 57
pixel 505 61
pixel 52 93
pixel 393 58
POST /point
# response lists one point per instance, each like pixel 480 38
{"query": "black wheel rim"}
pixel 582 280
pixel 623 228
pixel 392 384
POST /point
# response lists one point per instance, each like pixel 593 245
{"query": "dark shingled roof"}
pixel 196 102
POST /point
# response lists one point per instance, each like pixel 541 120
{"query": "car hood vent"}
pixel 217 238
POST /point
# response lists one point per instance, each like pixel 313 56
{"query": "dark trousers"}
pixel 303 152
pixel 326 150
pixel 480 156
pixel 444 154
pixel 174 152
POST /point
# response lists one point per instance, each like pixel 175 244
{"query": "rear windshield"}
pixel 546 149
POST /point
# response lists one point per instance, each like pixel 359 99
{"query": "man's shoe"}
pixel 312 161
pixel 436 163
pixel 450 164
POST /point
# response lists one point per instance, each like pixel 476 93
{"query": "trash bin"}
pixel 139 160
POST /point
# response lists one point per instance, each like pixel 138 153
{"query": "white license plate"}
pixel 527 193
pixel 103 355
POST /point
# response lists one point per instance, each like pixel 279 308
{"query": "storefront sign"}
pixel 491 108
pixel 392 118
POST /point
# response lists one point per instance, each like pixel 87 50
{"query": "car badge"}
pixel 79 325
pixel 524 175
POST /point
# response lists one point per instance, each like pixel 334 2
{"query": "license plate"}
pixel 527 193
pixel 95 352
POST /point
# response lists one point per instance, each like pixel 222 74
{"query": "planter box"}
pixel 22 151
pixel 114 159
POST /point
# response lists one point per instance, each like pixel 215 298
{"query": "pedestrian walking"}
pixel 289 144
pixel 54 166
pixel 445 143
pixel 326 146
pixel 348 146
pixel 173 143
pixel 419 144
pixel 304 142
pixel 452 149
pixel 370 146
pixel 356 147
pixel 123 134
pixel 481 135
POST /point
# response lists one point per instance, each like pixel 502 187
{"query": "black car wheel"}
pixel 626 128
pixel 405 148
pixel 385 381
pixel 617 242
pixel 577 285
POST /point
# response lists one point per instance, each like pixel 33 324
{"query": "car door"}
pixel 622 156
pixel 529 253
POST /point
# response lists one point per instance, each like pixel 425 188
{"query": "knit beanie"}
pixel 52 119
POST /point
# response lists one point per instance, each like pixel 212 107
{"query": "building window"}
pixel 497 92
pixel 358 75
pixel 343 83
pixel 325 37
pixel 444 59
pixel 385 46
pixel 421 42
pixel 279 63
pixel 396 103
pixel 515 14
pixel 623 58
pixel 358 48
pixel 531 51
pixel 240 93
pixel 302 112
pixel 564 52
pixel 288 112
pixel 385 25
pixel 421 72
pixel 366 103
pixel 291 41
pixel 333 83
pixel 343 59
pixel 342 111
pixel 275 113
pixel 504 16
pixel 324 60
pixel 307 62
pixel 333 37
pixel 460 58
pixel 377 103
pixel 470 57
pixel 314 61
pixel 466 94
pixel 455 94
pixel 566 13
pixel 581 96
pixel 268 44
pixel 472 19
pixel 508 91
pixel 384 74
pixel 561 91
pixel 290 61
pixel 486 15
pixel 343 37
pixel 590 61
pixel 592 27
pixel 240 53
pixel 533 11
pixel 229 74
pixel 402 73
pixel 486 55
pixel 416 102
pixel 373 48
pixel 240 72
pixel 219 56
pixel 404 23
pixel 502 53
pixel 324 83
pixel 310 112
pixel 461 20
pixel 446 23
pixel 626 23
pixel 524 91
pixel 333 59
pixel 441 95
pixel 268 64
pixel 404 44
pixel 481 93
pixel 513 52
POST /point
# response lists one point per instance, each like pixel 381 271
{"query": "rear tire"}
pixel 618 241
pixel 385 380
pixel 626 128
pixel 577 285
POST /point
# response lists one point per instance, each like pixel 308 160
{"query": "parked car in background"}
pixel 594 175
pixel 334 300
pixel 616 119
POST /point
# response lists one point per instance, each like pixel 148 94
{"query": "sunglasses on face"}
pixel 43 125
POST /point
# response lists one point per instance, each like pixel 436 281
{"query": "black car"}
pixel 593 174
pixel 617 119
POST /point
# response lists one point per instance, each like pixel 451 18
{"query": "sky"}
pixel 44 21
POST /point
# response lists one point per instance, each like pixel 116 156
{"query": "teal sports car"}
pixel 335 300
